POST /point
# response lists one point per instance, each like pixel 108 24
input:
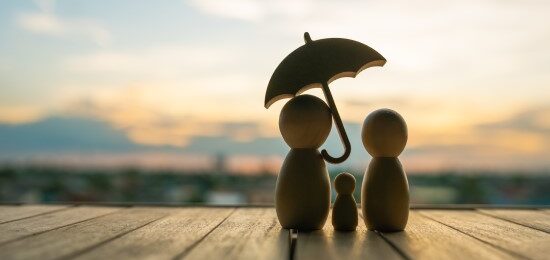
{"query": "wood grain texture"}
pixel 248 233
pixel 515 239
pixel 11 213
pixel 530 218
pixel 329 244
pixel 424 238
pixel 71 240
pixel 88 232
pixel 165 238
pixel 41 223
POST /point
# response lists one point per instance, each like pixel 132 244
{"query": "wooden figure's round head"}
pixel 344 183
pixel 305 122
pixel 384 133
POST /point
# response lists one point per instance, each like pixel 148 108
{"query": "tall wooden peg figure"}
pixel 385 189
pixel 344 211
pixel 302 192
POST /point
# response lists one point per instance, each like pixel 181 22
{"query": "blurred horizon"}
pixel 181 84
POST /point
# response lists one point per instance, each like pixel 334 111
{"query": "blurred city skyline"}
pixel 180 83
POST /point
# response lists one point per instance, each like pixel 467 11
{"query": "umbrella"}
pixel 316 64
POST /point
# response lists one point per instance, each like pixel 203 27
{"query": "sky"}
pixel 172 81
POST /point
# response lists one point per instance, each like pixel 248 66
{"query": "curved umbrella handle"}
pixel 339 126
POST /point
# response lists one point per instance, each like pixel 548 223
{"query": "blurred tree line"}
pixel 43 184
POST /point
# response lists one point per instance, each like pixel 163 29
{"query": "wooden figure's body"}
pixel 344 211
pixel 385 189
pixel 385 195
pixel 302 192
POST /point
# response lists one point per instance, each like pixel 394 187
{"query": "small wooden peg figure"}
pixel 302 192
pixel 385 190
pixel 344 211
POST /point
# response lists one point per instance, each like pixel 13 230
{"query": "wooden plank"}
pixel 424 238
pixel 38 224
pixel 165 238
pixel 11 213
pixel 513 238
pixel 329 244
pixel 531 218
pixel 248 233
pixel 71 240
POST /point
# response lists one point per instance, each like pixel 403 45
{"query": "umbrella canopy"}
pixel 316 64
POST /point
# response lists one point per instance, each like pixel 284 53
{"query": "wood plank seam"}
pixel 391 244
pixel 84 250
pixel 55 228
pixel 292 240
pixel 512 221
pixel 188 250
pixel 505 250
pixel 39 214
pixel 394 246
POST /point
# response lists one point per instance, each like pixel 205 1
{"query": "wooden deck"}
pixel 140 232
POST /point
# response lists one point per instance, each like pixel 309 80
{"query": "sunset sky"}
pixel 471 78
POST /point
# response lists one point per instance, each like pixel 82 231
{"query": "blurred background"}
pixel 146 101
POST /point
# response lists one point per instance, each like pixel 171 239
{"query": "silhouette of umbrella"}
pixel 316 64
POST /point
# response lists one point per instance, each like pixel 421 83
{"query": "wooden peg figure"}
pixel 344 211
pixel 302 192
pixel 385 190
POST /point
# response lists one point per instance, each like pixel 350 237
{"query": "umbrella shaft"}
pixel 339 126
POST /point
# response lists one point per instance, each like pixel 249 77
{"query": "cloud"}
pixel 130 124
pixel 83 141
pixel 166 60
pixel 252 10
pixel 457 139
pixel 19 114
pixel 206 81
pixel 148 124
pixel 355 103
pixel 88 142
pixel 46 22
pixel 242 131
pixel 525 133
pixel 472 39
pixel 62 134
pixel 142 123
pixel 521 141
pixel 535 120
